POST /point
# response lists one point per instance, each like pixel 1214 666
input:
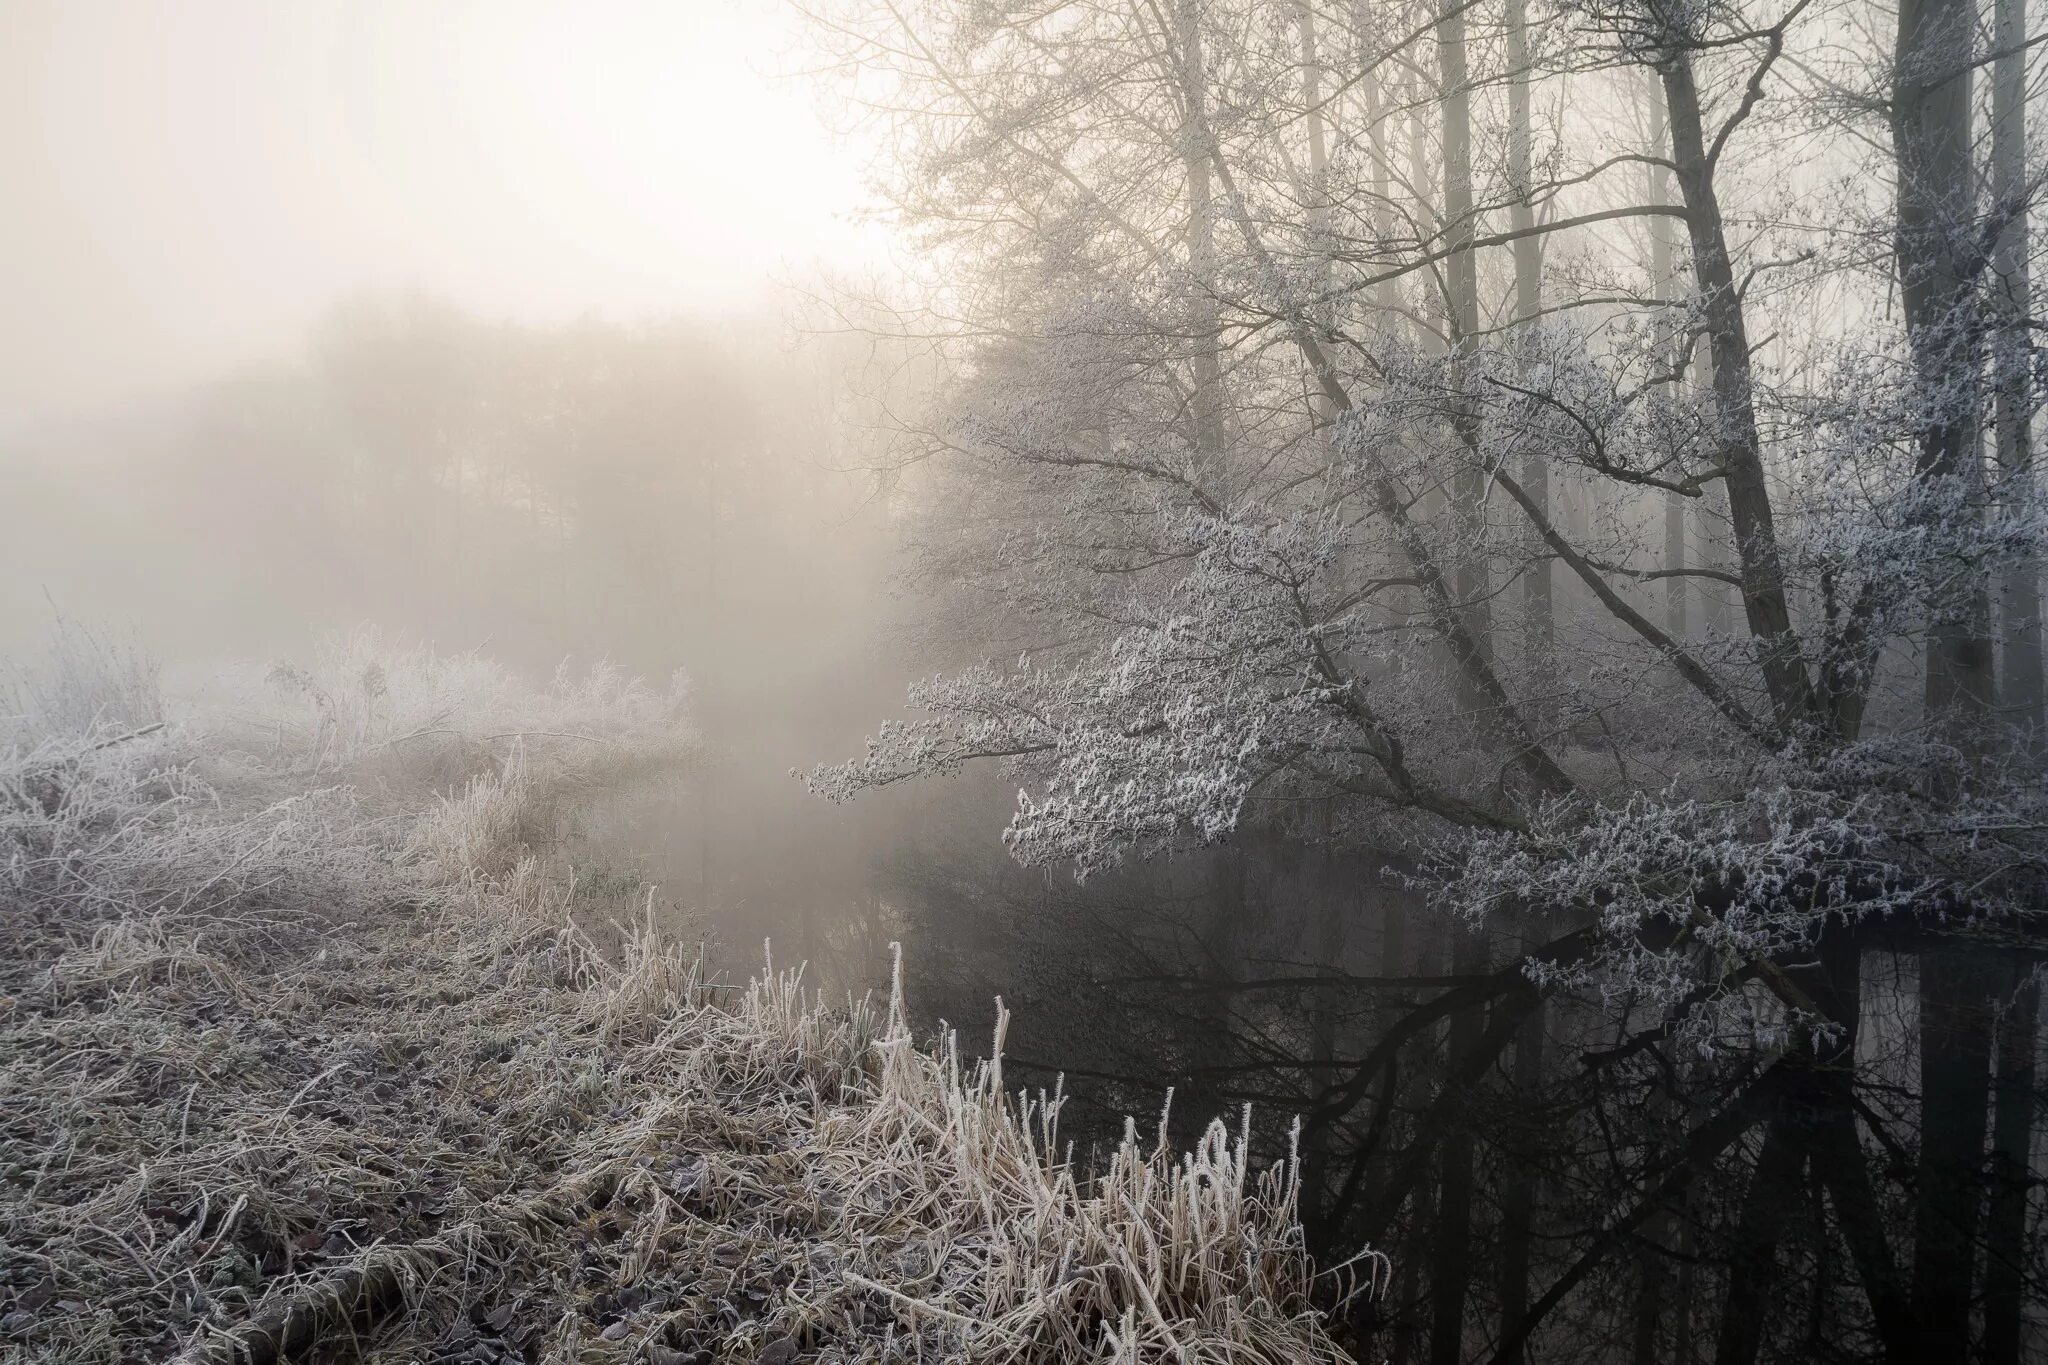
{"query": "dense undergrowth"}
pixel 312 1047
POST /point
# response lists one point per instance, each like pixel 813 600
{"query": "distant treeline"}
pixel 638 491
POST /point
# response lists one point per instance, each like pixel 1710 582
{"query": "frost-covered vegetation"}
pixel 315 1045
pixel 1585 452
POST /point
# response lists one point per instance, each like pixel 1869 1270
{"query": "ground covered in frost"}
pixel 305 1056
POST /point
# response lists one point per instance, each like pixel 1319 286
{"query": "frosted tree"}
pixel 1268 444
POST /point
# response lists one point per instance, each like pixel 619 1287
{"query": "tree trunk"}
pixel 1688 1283
pixel 1518 1192
pixel 1657 1235
pixel 1325 1021
pixel 1664 286
pixel 1931 117
pixel 2012 1143
pixel 1956 986
pixel 1518 1181
pixel 1208 401
pixel 1711 533
pixel 1773 1194
pixel 1764 599
pixel 1422 180
pixel 1936 218
pixel 1451 1251
pixel 1539 585
pixel 1386 296
pixel 1316 192
pixel 1407 1277
pixel 2020 590
pixel 1836 1149
pixel 1471 579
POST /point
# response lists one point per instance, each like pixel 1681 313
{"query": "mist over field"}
pixel 1124 680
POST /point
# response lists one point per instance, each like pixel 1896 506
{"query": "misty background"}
pixel 197 185
pixel 485 323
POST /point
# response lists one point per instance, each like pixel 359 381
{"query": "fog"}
pixel 196 185
pixel 278 249
pixel 1457 585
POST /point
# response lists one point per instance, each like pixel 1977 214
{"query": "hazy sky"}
pixel 186 182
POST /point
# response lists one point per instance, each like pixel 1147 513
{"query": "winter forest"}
pixel 1098 680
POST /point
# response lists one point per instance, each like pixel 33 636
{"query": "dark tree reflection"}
pixel 1619 1194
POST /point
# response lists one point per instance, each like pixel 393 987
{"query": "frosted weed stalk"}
pixel 1163 1256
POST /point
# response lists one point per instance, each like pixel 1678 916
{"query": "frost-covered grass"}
pixel 308 1052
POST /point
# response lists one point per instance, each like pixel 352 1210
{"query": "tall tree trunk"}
pixel 1518 1188
pixel 1406 1281
pixel 1471 580
pixel 1666 289
pixel 1711 528
pixel 1936 222
pixel 1764 599
pixel 2020 592
pixel 1931 127
pixel 1687 1291
pixel 1956 987
pixel 1814 1123
pixel 1451 1250
pixel 1325 1025
pixel 1837 1151
pixel 1657 1235
pixel 2012 1145
pixel 1386 296
pixel 1196 153
pixel 1422 178
pixel 1539 585
pixel 1773 1194
pixel 1316 192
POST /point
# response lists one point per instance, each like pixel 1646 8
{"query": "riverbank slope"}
pixel 316 1046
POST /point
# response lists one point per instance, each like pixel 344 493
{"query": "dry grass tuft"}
pixel 305 1056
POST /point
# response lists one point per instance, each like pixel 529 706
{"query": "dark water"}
pixel 1494 1151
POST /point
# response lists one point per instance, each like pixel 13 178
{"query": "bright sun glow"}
pixel 193 181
